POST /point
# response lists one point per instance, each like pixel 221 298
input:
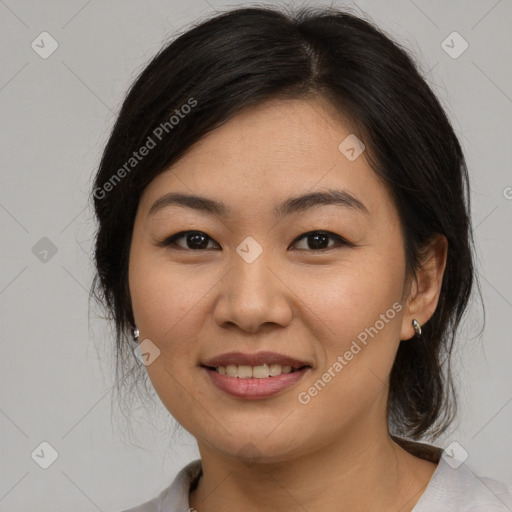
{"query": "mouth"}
pixel 260 365
pixel 262 371
pixel 254 376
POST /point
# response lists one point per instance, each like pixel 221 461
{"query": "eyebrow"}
pixel 289 206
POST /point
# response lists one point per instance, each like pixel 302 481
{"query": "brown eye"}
pixel 198 241
pixel 193 240
pixel 319 240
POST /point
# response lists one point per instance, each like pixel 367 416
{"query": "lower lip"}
pixel 252 389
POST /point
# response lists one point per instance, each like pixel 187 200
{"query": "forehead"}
pixel 267 153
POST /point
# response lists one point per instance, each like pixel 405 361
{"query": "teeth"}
pixel 260 372
pixel 256 372
pixel 244 372
pixel 232 370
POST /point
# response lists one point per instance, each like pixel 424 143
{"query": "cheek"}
pixel 357 314
pixel 359 335
pixel 170 306
pixel 169 302
pixel 353 296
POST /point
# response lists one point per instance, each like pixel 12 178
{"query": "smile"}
pixel 262 371
pixel 251 387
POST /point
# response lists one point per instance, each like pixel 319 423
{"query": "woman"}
pixel 284 230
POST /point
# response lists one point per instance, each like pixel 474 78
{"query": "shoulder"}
pixel 454 487
pixel 175 496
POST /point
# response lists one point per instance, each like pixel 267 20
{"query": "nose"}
pixel 253 295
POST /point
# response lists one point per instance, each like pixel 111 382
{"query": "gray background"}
pixel 56 113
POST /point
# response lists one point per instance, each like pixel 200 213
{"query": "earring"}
pixel 136 334
pixel 417 327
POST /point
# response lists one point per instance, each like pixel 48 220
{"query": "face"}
pixel 321 281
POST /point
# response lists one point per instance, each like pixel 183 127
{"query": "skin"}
pixel 334 453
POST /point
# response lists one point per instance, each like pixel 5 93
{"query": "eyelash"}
pixel 171 240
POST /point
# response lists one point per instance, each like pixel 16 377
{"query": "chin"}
pixel 255 446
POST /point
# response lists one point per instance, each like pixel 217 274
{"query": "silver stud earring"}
pixel 136 334
pixel 417 327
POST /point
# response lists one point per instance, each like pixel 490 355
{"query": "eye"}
pixel 194 240
pixel 198 240
pixel 319 240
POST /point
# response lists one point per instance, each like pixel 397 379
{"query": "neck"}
pixel 358 473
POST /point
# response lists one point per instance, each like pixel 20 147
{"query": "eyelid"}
pixel 168 241
pixel 330 234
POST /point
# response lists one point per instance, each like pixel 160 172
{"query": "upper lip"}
pixel 257 359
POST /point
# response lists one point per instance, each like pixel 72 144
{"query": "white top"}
pixel 449 490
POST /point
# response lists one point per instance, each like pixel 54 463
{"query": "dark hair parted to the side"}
pixel 243 57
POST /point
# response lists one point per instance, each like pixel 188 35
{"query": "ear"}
pixel 425 286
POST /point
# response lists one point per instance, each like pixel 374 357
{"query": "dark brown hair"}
pixel 245 56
